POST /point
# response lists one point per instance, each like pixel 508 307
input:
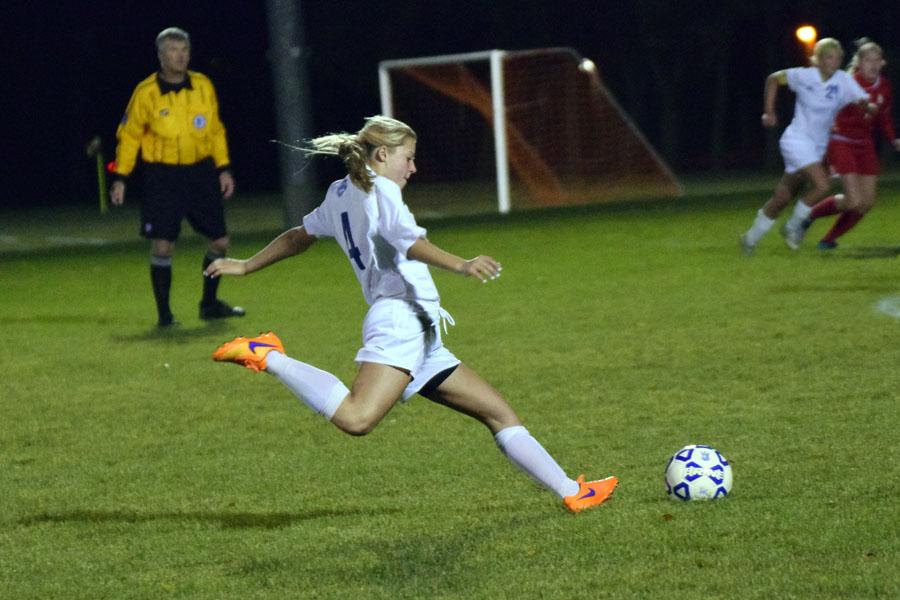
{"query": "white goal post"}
pixel 497 104
pixel 558 137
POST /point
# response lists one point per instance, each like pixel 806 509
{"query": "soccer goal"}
pixel 511 130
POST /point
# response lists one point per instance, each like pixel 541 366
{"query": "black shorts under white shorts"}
pixel 176 192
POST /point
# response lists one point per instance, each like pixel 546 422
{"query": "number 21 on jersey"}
pixel 352 250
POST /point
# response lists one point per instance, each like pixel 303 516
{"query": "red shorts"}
pixel 853 157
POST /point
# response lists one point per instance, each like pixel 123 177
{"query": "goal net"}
pixel 518 130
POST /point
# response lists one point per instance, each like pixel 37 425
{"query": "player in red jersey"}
pixel 851 148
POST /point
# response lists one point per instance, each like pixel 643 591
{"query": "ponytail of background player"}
pixel 821 91
pixel 851 149
pixel 402 352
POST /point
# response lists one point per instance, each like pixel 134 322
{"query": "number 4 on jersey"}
pixel 352 250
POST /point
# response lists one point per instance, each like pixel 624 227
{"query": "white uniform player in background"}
pixel 821 90
pixel 403 353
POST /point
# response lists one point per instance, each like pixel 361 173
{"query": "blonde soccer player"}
pixel 851 149
pixel 402 353
pixel 821 91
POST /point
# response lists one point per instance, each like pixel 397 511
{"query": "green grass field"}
pixel 132 466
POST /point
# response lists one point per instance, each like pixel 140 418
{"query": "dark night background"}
pixel 690 74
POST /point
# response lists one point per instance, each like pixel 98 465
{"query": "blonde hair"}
pixel 863 46
pixel 825 45
pixel 356 149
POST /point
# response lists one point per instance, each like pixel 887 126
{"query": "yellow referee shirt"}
pixel 172 124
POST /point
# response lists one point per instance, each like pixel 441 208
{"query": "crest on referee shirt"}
pixel 199 122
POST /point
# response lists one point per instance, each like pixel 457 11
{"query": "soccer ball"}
pixel 698 473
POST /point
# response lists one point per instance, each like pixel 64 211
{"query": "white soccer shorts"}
pixel 393 335
pixel 799 153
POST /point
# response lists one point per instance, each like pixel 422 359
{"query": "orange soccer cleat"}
pixel 591 493
pixel 249 352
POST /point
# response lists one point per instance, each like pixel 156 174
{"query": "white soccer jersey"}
pixel 375 230
pixel 818 102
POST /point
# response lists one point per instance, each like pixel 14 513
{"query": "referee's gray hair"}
pixel 172 33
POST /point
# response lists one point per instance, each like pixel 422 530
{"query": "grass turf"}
pixel 132 466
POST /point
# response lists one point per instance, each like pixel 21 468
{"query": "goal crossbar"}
pixel 497 103
pixel 567 113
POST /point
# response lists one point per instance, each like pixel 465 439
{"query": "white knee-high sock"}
pixel 320 390
pixel 527 453
pixel 761 226
pixel 801 212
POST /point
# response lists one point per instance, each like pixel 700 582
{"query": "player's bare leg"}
pixel 788 188
pixel 853 209
pixel 819 184
pixel 853 192
pixel 868 186
pixel 466 392
pixel 793 230
pixel 376 389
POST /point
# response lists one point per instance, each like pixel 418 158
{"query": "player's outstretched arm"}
pixel 292 242
pixel 483 268
pixel 773 82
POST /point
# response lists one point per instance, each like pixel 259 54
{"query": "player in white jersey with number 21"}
pixel 403 353
pixel 821 91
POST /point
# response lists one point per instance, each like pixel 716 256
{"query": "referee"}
pixel 173 120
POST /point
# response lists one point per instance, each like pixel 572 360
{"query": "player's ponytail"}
pixel 354 156
pixel 355 150
pixel 348 148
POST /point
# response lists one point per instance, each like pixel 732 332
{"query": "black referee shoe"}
pixel 167 321
pixel 220 310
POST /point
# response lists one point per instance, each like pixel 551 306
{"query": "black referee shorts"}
pixel 176 192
